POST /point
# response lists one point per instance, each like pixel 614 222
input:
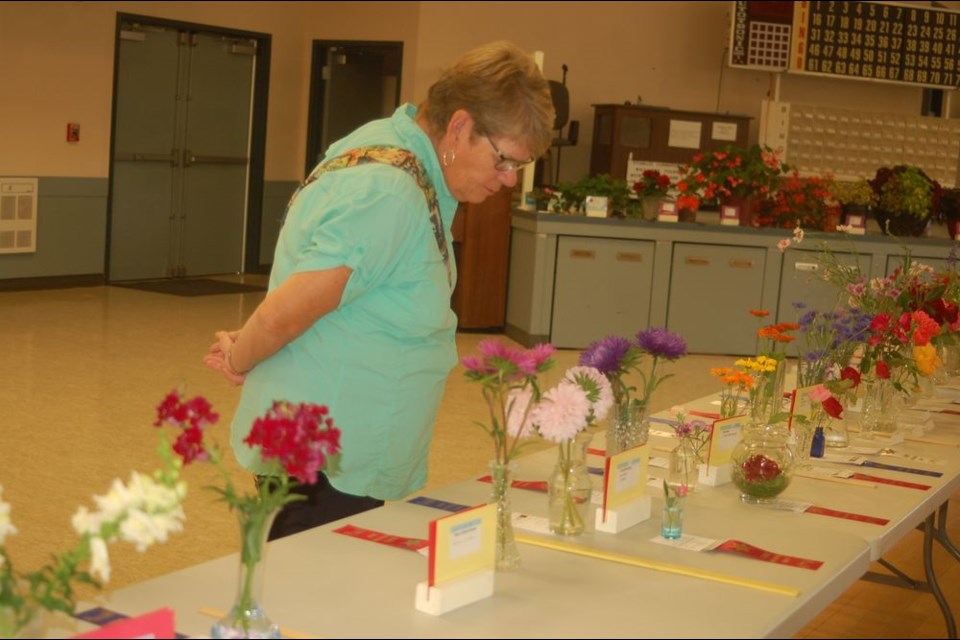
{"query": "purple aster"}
pixel 661 343
pixel 606 355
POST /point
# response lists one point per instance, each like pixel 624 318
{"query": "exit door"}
pixel 180 153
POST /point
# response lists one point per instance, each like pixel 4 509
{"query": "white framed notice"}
pixel 684 134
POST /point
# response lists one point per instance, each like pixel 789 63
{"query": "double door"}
pixel 180 158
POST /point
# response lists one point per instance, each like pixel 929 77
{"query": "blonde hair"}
pixel 502 88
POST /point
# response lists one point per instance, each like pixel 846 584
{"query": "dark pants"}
pixel 323 504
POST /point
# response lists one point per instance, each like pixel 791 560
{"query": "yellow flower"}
pixel 927 359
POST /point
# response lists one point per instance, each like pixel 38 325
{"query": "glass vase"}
pixel 671 519
pixel 767 398
pixel 569 487
pixel 25 621
pixel 879 413
pixel 683 467
pixel 246 618
pixel 762 463
pixel 627 427
pixel 508 556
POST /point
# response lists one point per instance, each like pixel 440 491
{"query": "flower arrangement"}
pixel 511 390
pixel 652 184
pixel 827 341
pixel 800 202
pixel 615 357
pixel 731 171
pixel 695 430
pixel 581 399
pixel 737 384
pixel 144 511
pixel 856 193
pixel 673 495
pixel 571 196
pixel 295 440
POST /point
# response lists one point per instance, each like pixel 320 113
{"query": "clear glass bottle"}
pixel 684 466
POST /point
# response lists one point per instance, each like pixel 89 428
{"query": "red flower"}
pixel 883 370
pixel 849 373
pixel 833 407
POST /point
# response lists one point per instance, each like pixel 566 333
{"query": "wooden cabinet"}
pixel 658 134
pixel 481 245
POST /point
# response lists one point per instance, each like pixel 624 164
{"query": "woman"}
pixel 358 314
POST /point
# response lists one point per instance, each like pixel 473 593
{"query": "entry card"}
pixel 625 478
pixel 462 544
pixel 723 439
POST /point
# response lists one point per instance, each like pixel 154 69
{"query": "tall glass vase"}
pixel 627 426
pixel 569 487
pixel 683 469
pixel 880 408
pixel 508 556
pixel 246 618
pixel 767 398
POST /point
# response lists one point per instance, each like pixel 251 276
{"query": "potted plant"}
pixel 906 199
pixel 650 189
pixel 620 197
pixel 800 202
pixel 731 175
pixel 856 196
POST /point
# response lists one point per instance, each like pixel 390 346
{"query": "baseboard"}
pixel 53 282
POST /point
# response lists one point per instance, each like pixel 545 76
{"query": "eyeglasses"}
pixel 504 163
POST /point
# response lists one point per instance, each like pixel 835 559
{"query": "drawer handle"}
pixel 806 266
pixel 581 253
pixel 738 262
pixel 629 257
pixel 694 260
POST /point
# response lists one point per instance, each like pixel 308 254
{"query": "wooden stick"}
pixel 656 565
pixel 284 631
pixel 949 443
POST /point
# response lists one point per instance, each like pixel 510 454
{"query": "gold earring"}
pixel 448 157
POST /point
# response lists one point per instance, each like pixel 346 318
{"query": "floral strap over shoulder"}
pixel 402 159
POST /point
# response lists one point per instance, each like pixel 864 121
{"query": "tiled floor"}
pixel 85 367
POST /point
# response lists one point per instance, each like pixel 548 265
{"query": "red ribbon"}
pixel 532 485
pixel 744 549
pixel 896 483
pixel 846 515
pixel 382 538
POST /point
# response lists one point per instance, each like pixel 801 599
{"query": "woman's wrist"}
pixel 229 360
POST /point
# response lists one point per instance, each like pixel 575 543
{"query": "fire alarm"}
pixel 73 132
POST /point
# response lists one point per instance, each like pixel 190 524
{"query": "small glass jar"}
pixel 762 463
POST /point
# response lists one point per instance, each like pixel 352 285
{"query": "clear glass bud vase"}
pixel 683 469
pixel 508 556
pixel 247 618
pixel 569 487
pixel 627 426
pixel 880 408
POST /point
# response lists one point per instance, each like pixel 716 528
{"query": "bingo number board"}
pixel 877 41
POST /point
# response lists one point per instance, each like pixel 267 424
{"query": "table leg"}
pixel 928 538
pixel 940 532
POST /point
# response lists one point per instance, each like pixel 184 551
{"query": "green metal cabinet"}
pixel 602 288
pixel 801 281
pixel 712 290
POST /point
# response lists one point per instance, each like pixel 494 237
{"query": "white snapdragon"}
pixel 99 559
pixel 6 525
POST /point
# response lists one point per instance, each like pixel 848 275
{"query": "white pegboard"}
pixel 18 215
pixel 850 143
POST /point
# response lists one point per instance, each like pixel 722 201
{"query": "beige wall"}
pixel 57 66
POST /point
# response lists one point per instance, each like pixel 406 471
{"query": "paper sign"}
pixel 724 131
pixel 462 544
pixel 684 134
pixel 156 624
pixel 729 214
pixel 625 477
pixel 668 211
pixel 723 438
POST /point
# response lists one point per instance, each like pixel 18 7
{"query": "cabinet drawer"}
pixel 602 288
pixel 802 281
pixel 712 290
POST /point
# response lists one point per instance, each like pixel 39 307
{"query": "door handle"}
pixel 189 158
pixel 629 257
pixel 806 266
pixel 170 158
pixel 581 253
pixel 741 263
pixel 697 261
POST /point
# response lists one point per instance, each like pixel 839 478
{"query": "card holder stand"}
pixel 626 516
pixel 713 475
pixel 440 599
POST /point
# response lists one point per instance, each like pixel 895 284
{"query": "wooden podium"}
pixel 658 134
pixel 481 245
